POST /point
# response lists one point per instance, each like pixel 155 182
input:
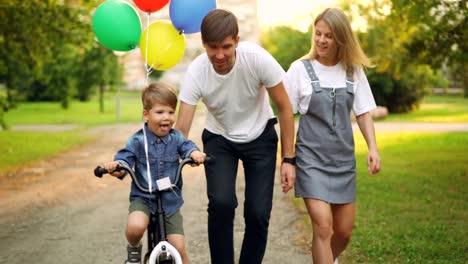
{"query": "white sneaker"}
pixel 336 261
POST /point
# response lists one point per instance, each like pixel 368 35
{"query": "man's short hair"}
pixel 219 24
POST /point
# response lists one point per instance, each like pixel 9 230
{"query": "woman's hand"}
pixel 373 162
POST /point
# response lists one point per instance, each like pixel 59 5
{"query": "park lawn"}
pixel 18 148
pixel 415 209
pixel 79 113
pixel 22 147
pixel 436 108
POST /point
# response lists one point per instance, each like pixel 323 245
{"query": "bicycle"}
pixel 159 251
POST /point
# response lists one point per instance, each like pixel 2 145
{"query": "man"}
pixel 235 82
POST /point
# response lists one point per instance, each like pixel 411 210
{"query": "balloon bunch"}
pixel 117 26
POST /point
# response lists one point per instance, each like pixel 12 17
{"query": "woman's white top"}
pixel 299 87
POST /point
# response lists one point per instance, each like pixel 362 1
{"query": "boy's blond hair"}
pixel 158 93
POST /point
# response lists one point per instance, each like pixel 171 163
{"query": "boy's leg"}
pixel 221 190
pixel 175 234
pixel 138 219
pixel 136 226
pixel 178 241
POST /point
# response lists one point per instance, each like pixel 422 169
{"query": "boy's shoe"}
pixel 133 254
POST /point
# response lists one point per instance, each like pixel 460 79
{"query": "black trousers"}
pixel 259 161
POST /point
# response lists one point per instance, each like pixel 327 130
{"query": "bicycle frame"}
pixel 156 230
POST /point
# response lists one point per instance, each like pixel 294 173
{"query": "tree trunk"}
pixel 465 80
pixel 101 97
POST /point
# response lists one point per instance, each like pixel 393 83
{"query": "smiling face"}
pixel 160 119
pixel 325 44
pixel 222 54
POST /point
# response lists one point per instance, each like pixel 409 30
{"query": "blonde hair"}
pixel 158 93
pixel 349 51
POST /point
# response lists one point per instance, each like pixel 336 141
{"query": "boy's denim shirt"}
pixel 163 156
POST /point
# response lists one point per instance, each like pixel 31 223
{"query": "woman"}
pixel 324 86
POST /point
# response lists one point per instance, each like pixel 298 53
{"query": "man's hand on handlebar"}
pixel 111 166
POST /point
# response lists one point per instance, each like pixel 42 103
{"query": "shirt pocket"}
pixel 170 163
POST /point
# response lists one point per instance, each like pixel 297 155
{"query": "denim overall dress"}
pixel 326 163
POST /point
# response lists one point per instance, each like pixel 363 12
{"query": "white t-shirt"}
pixel 299 87
pixel 237 103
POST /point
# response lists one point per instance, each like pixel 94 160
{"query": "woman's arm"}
pixel 366 125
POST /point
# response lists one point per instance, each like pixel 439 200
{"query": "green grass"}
pixel 81 113
pixel 416 209
pixel 18 148
pixel 436 109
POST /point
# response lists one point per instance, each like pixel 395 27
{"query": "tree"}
pixel 101 67
pixel 41 55
pixel 286 44
pixel 410 41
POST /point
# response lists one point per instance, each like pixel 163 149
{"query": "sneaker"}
pixel 133 255
pixel 336 261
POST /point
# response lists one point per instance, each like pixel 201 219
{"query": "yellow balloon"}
pixel 161 45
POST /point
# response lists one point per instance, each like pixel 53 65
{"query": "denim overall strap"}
pixel 313 78
pixel 349 80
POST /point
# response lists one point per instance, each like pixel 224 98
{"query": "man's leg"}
pixel 221 189
pixel 259 160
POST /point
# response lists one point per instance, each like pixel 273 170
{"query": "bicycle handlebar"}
pixel 99 171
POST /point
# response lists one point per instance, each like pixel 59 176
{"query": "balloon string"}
pixel 148 70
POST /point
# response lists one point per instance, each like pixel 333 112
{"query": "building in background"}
pixel 134 65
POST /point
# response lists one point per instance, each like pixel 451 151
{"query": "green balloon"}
pixel 117 25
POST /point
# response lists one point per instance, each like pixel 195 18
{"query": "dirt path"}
pixel 56 212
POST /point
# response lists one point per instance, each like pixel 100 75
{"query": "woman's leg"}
pixel 320 214
pixel 343 223
pixel 178 241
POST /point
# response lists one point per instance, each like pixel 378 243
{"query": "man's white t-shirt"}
pixel 299 87
pixel 237 102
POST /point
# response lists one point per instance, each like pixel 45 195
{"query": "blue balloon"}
pixel 187 15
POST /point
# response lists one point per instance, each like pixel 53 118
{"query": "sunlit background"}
pixel 296 13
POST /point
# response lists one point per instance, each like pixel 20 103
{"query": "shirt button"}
pixel 161 162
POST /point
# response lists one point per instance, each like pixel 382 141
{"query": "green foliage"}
pixel 286 44
pixel 4 107
pixel 43 51
pixel 428 35
pixel 102 67
pixel 404 94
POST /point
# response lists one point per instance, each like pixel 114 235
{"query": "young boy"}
pixel 162 148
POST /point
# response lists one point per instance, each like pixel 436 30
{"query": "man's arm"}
pixel 185 118
pixel 286 119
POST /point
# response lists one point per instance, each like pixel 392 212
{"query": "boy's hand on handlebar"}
pixel 111 166
pixel 198 157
